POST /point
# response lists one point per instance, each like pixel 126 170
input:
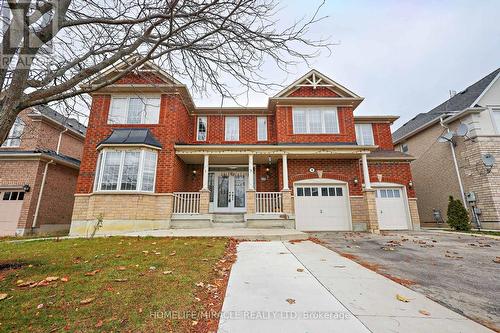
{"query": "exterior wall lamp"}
pixel 194 172
pixel 26 188
pixel 410 184
pixel 355 180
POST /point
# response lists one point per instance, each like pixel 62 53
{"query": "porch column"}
pixel 366 173
pixel 250 172
pixel 205 193
pixel 285 172
pixel 205 173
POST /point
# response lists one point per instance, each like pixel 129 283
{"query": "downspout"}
pixel 40 194
pixel 462 192
pixel 60 139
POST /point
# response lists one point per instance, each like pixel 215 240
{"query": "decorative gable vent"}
pixel 314 81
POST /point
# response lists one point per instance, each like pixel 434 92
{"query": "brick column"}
pixel 415 218
pixel 287 201
pixel 251 201
pixel 371 207
pixel 204 201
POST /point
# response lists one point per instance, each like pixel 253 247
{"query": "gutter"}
pixel 40 194
pixel 452 147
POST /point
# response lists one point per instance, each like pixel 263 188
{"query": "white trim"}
pixel 360 138
pixel 144 99
pixel 226 119
pixel 485 90
pixel 492 111
pixel 265 136
pixel 323 110
pixel 198 118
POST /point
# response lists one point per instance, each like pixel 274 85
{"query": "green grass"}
pixel 484 232
pixel 117 306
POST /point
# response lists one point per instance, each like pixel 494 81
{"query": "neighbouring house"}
pixel 153 160
pixel 39 165
pixel 453 165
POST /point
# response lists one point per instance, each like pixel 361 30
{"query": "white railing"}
pixel 186 203
pixel 268 202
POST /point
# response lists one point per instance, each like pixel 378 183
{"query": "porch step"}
pixel 228 218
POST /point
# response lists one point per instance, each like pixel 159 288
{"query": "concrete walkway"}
pixel 285 287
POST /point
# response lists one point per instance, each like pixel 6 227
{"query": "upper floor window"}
pixel 201 129
pixel 232 129
pixel 496 119
pixel 262 128
pixel 315 120
pixel 134 110
pixel 14 137
pixel 364 134
pixel 404 148
pixel 126 170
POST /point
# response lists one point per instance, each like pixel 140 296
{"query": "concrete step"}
pixel 228 218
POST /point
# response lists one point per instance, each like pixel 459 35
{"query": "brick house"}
pixel 39 165
pixel 153 160
pixel 455 166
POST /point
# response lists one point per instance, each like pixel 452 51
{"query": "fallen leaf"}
pixel 194 323
pixel 121 268
pixel 402 298
pixel 152 268
pixel 200 284
pixel 496 260
pixel 3 296
pixel 290 301
pixel 39 306
pixel 121 280
pixel 425 313
pixel 65 279
pixel 154 243
pixel 94 272
pixel 51 278
pixel 172 254
pixel 167 272
pixel 99 324
pixel 87 300
pixel 300 269
pixel 22 284
pixel 145 252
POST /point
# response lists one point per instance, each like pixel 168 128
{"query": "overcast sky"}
pixel 403 57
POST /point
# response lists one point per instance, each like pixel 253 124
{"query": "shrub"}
pixel 458 218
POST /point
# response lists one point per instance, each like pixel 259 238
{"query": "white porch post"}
pixel 366 173
pixel 250 172
pixel 285 172
pixel 205 173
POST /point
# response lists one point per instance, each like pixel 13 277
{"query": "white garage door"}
pixel 391 209
pixel 11 204
pixel 322 207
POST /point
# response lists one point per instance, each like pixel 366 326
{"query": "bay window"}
pixel 262 128
pixel 134 110
pixel 232 129
pixel 201 129
pixel 14 137
pixel 315 120
pixel 126 170
pixel 364 134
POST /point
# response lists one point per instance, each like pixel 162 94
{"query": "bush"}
pixel 458 218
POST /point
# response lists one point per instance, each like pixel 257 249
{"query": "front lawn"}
pixel 104 284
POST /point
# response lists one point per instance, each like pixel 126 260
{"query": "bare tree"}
pixel 50 47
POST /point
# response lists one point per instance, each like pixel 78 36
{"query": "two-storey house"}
pixel 152 160
pixel 39 165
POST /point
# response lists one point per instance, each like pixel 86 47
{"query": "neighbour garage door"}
pixel 322 207
pixel 11 204
pixel 391 209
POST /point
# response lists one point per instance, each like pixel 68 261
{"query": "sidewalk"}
pixel 265 275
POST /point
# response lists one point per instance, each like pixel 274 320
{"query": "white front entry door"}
pixel 322 207
pixel 230 192
pixel 391 208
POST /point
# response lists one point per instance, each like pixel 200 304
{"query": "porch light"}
pixel 355 181
pixel 267 170
pixel 26 188
pixel 194 172
pixel 410 184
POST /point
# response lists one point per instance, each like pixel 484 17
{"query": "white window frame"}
pixel 226 134
pixel 360 139
pixel 495 111
pixel 324 110
pixel 100 169
pixel 145 99
pixel 262 126
pixel 402 147
pixel 14 141
pixel 200 118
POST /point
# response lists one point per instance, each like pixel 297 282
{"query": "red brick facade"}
pixel 178 126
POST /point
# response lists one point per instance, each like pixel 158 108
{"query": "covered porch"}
pixel 251 181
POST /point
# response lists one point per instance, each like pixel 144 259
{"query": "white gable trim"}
pixel 485 91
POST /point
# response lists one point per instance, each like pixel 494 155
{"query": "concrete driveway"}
pixel 305 287
pixel 457 271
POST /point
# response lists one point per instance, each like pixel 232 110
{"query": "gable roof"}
pixel 66 121
pixel 459 102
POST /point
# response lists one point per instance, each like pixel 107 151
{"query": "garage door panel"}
pixel 322 208
pixel 391 209
pixel 11 204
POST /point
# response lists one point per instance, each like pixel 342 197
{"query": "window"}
pixel 388 193
pixel 315 120
pixel 232 129
pixel 262 128
pixel 14 137
pixel 496 119
pixel 11 196
pixel 126 170
pixel 364 134
pixel 201 132
pixel 404 148
pixel 134 110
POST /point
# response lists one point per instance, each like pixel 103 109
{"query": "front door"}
pixel 230 192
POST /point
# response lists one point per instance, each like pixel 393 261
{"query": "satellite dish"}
pixel 488 160
pixel 446 137
pixel 462 130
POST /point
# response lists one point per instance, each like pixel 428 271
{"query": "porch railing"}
pixel 186 203
pixel 268 202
